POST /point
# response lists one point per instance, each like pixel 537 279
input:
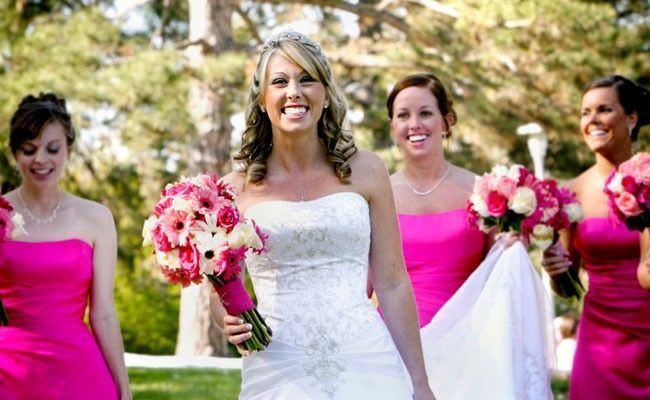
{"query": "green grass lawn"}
pixel 184 383
pixel 208 383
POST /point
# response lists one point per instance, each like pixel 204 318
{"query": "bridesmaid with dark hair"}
pixel 48 278
pixel 612 359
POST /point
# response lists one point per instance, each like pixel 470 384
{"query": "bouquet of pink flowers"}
pixel 11 224
pixel 514 200
pixel 197 231
pixel 628 192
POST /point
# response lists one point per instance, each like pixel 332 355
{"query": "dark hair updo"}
pixel 34 114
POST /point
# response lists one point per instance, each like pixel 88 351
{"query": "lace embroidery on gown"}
pixel 311 288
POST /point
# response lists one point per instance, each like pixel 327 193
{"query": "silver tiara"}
pixel 275 40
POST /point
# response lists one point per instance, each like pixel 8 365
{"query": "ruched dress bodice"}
pixel 612 359
pixel 328 340
pixel 44 287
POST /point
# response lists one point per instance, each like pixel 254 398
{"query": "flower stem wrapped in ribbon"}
pixel 11 225
pixel 197 231
pixel 628 192
pixel 514 200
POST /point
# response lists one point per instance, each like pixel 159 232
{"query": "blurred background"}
pixel 157 89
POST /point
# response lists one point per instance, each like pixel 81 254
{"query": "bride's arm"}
pixel 389 277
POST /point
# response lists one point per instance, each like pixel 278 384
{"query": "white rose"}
pixel 573 211
pixel 479 205
pixel 169 259
pixel 147 228
pixel 244 235
pixel 542 236
pixel 513 172
pixel 180 204
pixel 19 226
pixel 524 201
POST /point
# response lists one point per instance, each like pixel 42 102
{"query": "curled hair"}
pixel 34 113
pixel 431 82
pixel 257 139
pixel 633 98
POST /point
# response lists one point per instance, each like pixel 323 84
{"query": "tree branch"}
pixel 251 25
pixel 133 4
pixel 366 10
pixel 160 30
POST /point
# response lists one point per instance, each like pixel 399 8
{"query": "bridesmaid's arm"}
pixel 389 278
pixel 103 317
pixel 560 258
pixel 643 272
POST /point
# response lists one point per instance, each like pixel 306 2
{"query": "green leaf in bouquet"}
pixel 4 318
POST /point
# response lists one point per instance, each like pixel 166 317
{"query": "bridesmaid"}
pixel 440 249
pixel 47 277
pixel 612 359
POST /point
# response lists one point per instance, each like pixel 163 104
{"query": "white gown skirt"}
pixel 366 367
pixel 493 340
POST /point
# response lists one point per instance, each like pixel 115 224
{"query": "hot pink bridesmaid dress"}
pixel 47 351
pixel 441 251
pixel 612 359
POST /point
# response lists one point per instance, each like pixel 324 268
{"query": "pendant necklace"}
pixel 434 187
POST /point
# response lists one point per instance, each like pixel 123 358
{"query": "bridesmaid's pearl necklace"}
pixel 426 192
pixel 40 221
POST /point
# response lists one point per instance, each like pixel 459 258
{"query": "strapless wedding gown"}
pixel 328 340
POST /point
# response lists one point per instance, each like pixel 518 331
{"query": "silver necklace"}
pixel 435 185
pixel 304 190
pixel 40 221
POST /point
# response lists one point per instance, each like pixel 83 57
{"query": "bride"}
pixel 328 212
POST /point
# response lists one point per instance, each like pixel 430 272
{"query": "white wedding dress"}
pixel 493 340
pixel 328 340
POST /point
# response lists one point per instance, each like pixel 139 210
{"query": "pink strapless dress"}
pixel 440 250
pixel 612 359
pixel 47 352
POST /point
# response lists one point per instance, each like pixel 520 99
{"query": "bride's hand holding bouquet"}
pixel 197 231
pixel 513 201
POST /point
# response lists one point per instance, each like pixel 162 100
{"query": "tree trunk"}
pixel 209 151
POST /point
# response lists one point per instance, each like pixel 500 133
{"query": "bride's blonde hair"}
pixel 257 139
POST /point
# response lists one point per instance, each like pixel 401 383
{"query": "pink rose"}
pixel 506 186
pixel 5 204
pixel 482 185
pixel 227 217
pixel 497 204
pixel 628 205
pixel 629 184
